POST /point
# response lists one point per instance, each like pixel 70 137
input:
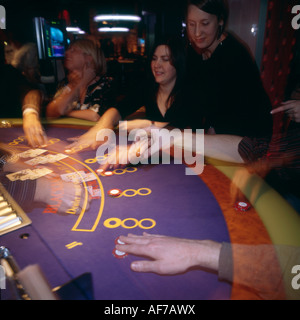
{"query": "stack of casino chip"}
pixel 117 253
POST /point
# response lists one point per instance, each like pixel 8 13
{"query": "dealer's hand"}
pixel 33 130
pixel 73 196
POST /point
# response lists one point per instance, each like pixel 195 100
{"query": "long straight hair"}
pixel 177 60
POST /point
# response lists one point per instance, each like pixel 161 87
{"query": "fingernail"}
pixel 134 266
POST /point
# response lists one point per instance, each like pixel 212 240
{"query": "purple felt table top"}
pixel 66 246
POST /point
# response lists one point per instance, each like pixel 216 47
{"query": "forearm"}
pixel 109 120
pixel 142 123
pixel 206 254
pixel 257 267
pixel 32 102
pixel 62 104
pixel 223 147
pixel 219 146
pixel 84 114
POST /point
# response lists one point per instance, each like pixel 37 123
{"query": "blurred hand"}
pixel 81 78
pixel 86 141
pixel 88 74
pixel 33 130
pixel 72 195
pixel 291 107
pixel 74 78
pixel 121 156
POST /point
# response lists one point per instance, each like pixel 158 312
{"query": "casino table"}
pixel 76 247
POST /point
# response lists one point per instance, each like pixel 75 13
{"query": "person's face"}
pixel 163 71
pixel 75 58
pixel 202 28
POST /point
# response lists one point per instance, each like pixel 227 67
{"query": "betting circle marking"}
pixel 132 192
pixel 113 223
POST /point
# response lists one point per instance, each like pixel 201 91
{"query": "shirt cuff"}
pixel 30 108
pixel 226 263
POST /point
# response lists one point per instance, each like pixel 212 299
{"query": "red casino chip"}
pixel 118 241
pixel 242 206
pixel 119 254
pixel 104 173
pixel 114 193
pixel 107 173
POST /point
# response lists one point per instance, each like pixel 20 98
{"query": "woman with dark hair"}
pixel 162 95
pixel 228 91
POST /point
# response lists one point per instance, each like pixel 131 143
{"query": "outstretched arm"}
pixel 89 140
pixel 170 255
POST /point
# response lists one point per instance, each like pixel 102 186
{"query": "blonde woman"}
pixel 87 92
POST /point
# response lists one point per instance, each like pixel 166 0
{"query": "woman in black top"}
pixel 227 88
pixel 162 95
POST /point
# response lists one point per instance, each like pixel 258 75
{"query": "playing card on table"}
pixel 37 160
pixel 75 177
pixel 19 175
pixel 88 176
pixel 27 174
pixel 78 177
pixel 55 157
pixel 38 173
pixel 49 158
pixel 94 193
pixel 31 153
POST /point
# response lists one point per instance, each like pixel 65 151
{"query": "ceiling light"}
pixel 114 29
pixel 117 17
pixel 75 30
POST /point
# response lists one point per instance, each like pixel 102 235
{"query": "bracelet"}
pixel 29 105
pixel 30 110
